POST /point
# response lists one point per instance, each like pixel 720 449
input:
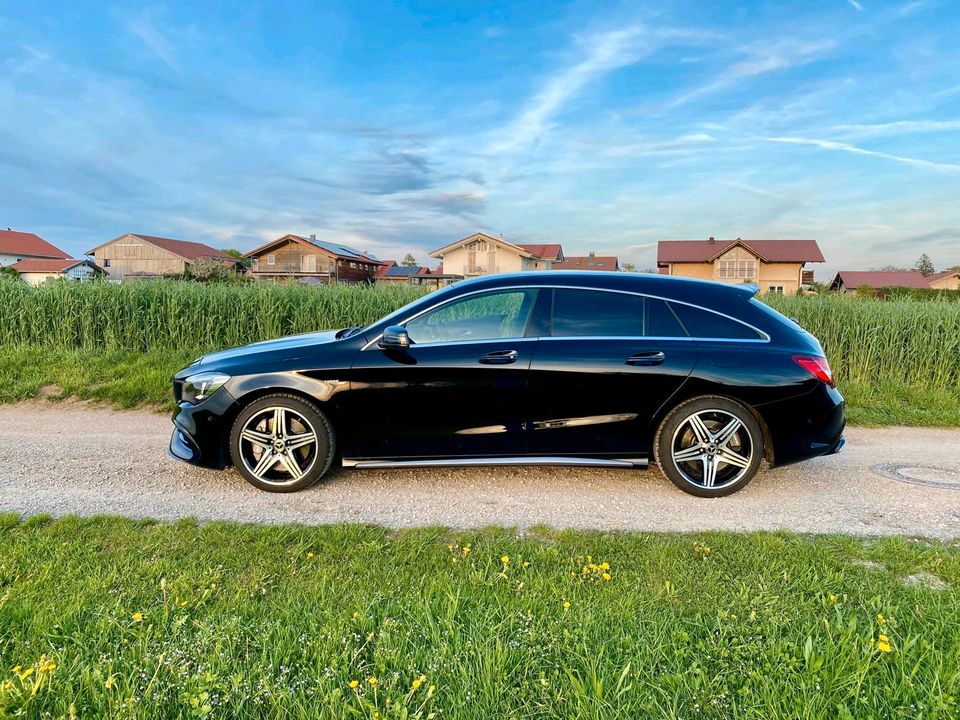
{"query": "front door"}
pixel 460 389
pixel 610 361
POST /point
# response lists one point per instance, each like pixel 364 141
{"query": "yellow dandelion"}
pixel 309 555
pixel 417 682
pixel 606 576
pixel 356 616
pixel 833 599
pixel 566 604
pixel 354 684
pixel 16 669
pixel 881 620
pixel 505 559
pixel 883 644
pixel 26 673
pixel 605 566
pixel 137 617
pixel 372 680
pixel 526 563
pixel 109 683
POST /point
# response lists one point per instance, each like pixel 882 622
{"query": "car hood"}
pixel 289 345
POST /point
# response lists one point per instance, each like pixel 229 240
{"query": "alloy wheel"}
pixel 278 445
pixel 712 449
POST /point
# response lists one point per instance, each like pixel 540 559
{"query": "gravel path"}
pixel 77 459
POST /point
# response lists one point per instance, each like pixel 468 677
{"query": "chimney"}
pixel 591 254
pixel 313 237
pixel 711 239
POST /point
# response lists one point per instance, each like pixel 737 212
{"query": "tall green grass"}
pixel 171 315
pixel 901 342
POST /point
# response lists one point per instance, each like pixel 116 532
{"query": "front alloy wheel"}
pixel 710 447
pixel 281 443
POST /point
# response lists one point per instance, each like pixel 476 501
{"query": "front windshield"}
pixel 397 316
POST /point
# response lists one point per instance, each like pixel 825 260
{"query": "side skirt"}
pixel 496 461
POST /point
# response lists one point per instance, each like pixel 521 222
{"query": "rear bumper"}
pixel 807 426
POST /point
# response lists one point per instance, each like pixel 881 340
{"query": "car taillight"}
pixel 816 366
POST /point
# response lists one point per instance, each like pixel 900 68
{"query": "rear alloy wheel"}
pixel 281 443
pixel 710 447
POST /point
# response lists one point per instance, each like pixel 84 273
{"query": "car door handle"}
pixel 499 357
pixel 646 358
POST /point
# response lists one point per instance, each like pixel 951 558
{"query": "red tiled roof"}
pixel 941 275
pixel 13 242
pixel 185 249
pixel 681 251
pixel 588 262
pixel 881 278
pixel 44 265
pixel 550 251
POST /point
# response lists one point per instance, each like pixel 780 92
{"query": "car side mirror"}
pixel 395 337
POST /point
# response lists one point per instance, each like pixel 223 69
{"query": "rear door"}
pixel 609 360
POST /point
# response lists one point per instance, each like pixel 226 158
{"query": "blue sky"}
pixel 399 127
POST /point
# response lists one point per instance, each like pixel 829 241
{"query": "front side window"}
pixel 490 316
pixel 700 323
pixel 585 313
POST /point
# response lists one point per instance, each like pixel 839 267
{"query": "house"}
pixel 482 254
pixel 39 270
pixel 392 273
pixel 849 280
pixel 16 246
pixel 775 265
pixel 590 261
pixel 946 280
pixel 309 259
pixel 143 256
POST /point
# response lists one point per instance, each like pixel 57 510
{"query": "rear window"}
pixel 700 323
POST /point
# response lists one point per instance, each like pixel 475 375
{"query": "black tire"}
pixel 299 417
pixel 732 469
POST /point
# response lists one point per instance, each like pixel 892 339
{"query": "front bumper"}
pixel 201 432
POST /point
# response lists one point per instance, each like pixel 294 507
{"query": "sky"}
pixel 400 127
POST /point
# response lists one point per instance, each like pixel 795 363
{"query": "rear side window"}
pixel 701 323
pixel 661 322
pixel 584 313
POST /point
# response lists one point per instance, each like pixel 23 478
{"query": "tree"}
pixel 207 270
pixel 9 273
pixel 237 255
pixel 925 265
pixel 628 267
pixel 408 260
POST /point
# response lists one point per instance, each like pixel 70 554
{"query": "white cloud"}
pixel 855 5
pixel 605 52
pixel 844 147
pixel 143 28
pixel 900 127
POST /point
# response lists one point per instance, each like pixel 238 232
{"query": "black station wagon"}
pixel 549 368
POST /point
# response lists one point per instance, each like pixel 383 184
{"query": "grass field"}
pixel 114 618
pixel 897 361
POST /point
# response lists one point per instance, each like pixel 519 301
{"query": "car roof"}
pixel 675 288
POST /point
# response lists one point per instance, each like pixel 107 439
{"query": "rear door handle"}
pixel 646 358
pixel 499 357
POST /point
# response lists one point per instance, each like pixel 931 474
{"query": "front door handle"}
pixel 646 358
pixel 499 357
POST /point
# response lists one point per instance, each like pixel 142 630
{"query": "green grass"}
pixel 156 620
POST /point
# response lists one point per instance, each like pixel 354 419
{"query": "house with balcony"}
pixel 310 260
pixel 482 254
pixel 777 266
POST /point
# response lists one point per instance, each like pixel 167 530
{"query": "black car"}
pixel 548 368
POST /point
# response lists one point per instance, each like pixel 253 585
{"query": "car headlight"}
pixel 199 387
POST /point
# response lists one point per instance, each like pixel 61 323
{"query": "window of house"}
pixel 737 269
pixel 271 259
pixel 585 313
pixel 776 289
pixel 106 262
pixel 479 317
pixel 700 323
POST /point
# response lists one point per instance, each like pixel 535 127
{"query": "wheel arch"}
pixel 668 408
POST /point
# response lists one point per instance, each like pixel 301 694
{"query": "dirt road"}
pixel 76 459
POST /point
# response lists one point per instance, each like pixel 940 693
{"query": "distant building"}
pixel 849 280
pixel 36 270
pixel 16 246
pixel 777 266
pixel 309 259
pixel 482 254
pixel 393 274
pixel 946 280
pixel 146 256
pixel 590 261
